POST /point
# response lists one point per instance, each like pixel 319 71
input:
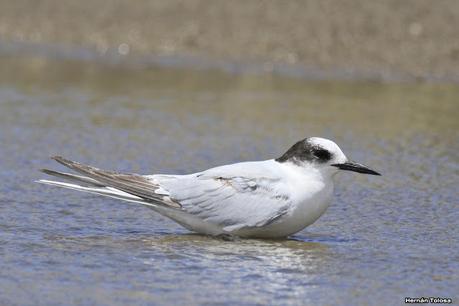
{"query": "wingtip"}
pixel 62 160
pixel 48 171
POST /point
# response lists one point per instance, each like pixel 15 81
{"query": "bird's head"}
pixel 322 154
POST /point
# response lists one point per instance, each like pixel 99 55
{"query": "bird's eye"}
pixel 322 155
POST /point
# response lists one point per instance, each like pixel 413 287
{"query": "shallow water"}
pixel 383 238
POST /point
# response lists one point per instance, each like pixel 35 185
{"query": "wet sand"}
pixel 386 40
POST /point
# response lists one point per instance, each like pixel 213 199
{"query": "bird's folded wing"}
pixel 217 195
pixel 232 202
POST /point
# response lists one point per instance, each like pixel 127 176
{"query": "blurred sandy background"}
pixel 354 39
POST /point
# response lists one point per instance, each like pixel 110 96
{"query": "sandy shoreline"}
pixel 386 40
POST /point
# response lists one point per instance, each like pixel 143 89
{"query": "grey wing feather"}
pixel 134 184
pixel 234 203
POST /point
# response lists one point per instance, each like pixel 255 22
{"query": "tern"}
pixel 261 199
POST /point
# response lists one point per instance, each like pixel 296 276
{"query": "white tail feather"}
pixel 105 191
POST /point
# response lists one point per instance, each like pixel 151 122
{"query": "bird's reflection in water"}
pixel 279 268
pixel 277 262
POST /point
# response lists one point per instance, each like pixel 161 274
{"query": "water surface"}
pixel 383 238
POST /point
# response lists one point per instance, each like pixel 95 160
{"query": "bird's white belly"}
pixel 294 221
pixel 301 216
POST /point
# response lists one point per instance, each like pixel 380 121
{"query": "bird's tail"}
pixel 104 191
pixel 128 187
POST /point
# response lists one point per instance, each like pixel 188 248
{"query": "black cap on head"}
pixel 305 150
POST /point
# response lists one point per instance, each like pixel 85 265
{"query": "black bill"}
pixel 356 167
